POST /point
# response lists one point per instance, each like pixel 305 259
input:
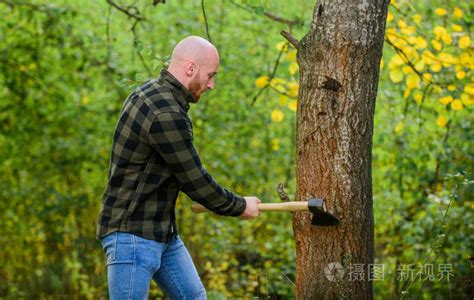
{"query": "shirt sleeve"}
pixel 171 136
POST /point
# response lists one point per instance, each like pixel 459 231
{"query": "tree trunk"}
pixel 339 70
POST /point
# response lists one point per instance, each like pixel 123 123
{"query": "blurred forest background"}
pixel 67 66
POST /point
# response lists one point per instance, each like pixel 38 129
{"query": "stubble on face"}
pixel 195 87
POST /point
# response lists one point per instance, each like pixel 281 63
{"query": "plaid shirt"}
pixel 153 158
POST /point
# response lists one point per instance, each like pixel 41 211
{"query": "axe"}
pixel 321 216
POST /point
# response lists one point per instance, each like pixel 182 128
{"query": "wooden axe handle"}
pixel 284 206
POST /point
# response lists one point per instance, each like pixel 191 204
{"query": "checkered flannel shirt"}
pixel 153 158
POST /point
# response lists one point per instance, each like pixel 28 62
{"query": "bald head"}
pixel 194 63
pixel 193 48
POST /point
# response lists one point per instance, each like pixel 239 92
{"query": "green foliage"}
pixel 66 68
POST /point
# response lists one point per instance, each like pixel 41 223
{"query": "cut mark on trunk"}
pixel 331 84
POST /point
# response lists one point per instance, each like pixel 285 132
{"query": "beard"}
pixel 195 88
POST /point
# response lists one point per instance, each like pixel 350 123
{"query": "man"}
pixel 153 158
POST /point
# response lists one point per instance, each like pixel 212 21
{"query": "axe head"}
pixel 321 217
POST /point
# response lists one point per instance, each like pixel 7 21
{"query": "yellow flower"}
pixel 439 31
pixel 457 27
pixel 451 87
pixel 467 99
pixel 446 37
pixel 85 100
pixel 293 89
pixel 407 69
pixel 440 11
pixel 446 59
pixel 458 12
pixel 408 30
pixel 418 96
pixel 291 56
pixel 277 80
pixel 275 144
pixel 446 100
pixel 401 24
pixel 412 81
pixel 293 105
pixel 277 116
pixel 427 77
pixel 410 52
pixel 441 121
pixel 396 61
pixel 381 63
pixel 427 57
pixel 389 17
pixel 396 75
pixel 417 18
pixel 420 43
pixel 282 100
pixel 293 68
pixel 460 74
pixel 420 65
pixel 436 67
pixel 469 88
pixel 464 42
pixel 261 82
pixel 465 59
pixel 407 93
pixel 457 105
pixel 436 45
pixel 399 127
pixel 282 46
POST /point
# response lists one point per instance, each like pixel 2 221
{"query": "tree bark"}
pixel 339 71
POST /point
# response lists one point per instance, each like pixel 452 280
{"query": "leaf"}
pixel 396 75
pixel 259 10
pixel 293 68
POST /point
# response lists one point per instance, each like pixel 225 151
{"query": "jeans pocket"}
pixel 124 249
pixel 109 246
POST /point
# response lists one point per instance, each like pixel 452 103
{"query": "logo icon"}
pixel 334 271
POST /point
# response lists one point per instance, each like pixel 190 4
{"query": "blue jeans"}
pixel 133 261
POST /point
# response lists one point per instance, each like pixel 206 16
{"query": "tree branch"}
pixel 405 58
pixel 288 22
pixel 281 192
pixel 135 42
pixel 290 39
pixel 269 15
pixel 272 75
pixel 205 21
pixel 126 11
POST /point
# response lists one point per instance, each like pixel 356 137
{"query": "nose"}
pixel 210 84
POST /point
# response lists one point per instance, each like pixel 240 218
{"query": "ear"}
pixel 190 68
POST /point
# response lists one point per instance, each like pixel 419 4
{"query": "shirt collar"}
pixel 183 95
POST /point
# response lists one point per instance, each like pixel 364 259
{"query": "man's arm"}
pixel 171 135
